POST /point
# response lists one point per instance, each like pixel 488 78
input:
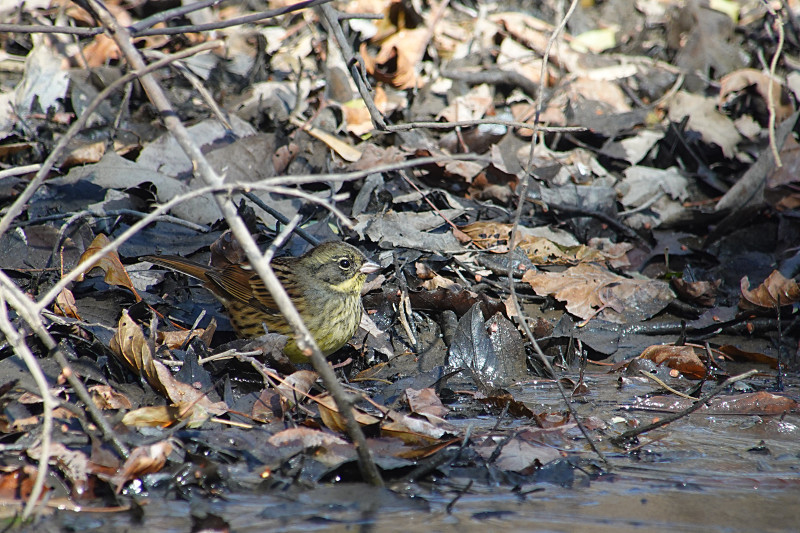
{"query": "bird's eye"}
pixel 344 264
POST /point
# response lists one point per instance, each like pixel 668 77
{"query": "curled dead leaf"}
pixel 115 273
pixel 105 397
pixel 65 305
pixel 143 460
pixel 333 420
pixel 700 292
pixel 397 58
pixel 681 358
pixel 131 347
pixel 776 288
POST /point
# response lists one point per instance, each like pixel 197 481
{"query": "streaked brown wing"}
pixel 234 284
pixel 285 271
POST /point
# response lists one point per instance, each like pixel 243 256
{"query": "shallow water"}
pixel 702 473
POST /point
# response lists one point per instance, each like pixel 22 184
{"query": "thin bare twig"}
pixel 773 65
pixel 330 18
pixel 16 171
pixel 280 217
pixel 619 440
pixel 663 385
pixel 523 193
pixel 15 339
pixel 142 28
pixel 479 122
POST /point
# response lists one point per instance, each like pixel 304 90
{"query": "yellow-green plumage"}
pixel 324 284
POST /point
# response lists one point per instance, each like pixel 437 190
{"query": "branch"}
pixel 619 440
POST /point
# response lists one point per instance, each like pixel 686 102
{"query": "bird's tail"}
pixel 179 264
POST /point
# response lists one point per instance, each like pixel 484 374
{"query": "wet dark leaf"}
pixel 489 349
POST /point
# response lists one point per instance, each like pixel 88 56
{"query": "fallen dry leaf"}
pixel 105 397
pixel 700 292
pixel 115 273
pixel 426 402
pixel 143 460
pixel 65 305
pixel 741 79
pixel 591 291
pixel 333 420
pixel 681 358
pixel 774 289
pixel 130 345
pixel 396 61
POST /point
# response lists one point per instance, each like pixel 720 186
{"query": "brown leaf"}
pixel 741 79
pixel 283 156
pixel 412 431
pixel 143 460
pixel 788 173
pixel 85 154
pixel 159 416
pixel 16 483
pixel 65 305
pixel 552 420
pixel 295 386
pixel 356 115
pixel 397 58
pixel 304 437
pixel 175 339
pixel 105 397
pixel 426 402
pixel 328 449
pixel 495 236
pixel 73 464
pixel 115 273
pixel 130 345
pixel 268 407
pixel 700 292
pixel 775 287
pixel 101 50
pixel 515 407
pixel 518 455
pixel 333 420
pixel 681 358
pixel 742 356
pixel 373 156
pixel 190 398
pixel 589 290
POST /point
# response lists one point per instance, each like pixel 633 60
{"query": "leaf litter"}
pixel 656 252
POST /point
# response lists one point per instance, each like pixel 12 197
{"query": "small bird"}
pixel 324 285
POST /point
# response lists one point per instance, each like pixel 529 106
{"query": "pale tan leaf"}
pixel 591 291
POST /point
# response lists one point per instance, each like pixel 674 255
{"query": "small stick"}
pixel 620 439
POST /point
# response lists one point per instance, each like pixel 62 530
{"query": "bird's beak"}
pixel 369 267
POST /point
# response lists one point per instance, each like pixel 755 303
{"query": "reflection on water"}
pixel 704 473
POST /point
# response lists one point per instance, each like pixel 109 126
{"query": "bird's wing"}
pixel 286 272
pixel 236 285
